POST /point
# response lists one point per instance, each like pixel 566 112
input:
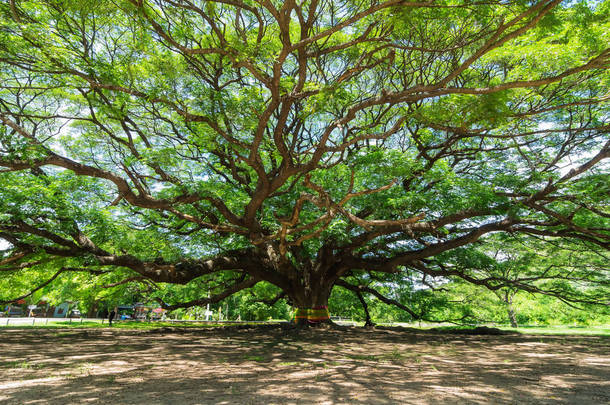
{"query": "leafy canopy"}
pixel 305 145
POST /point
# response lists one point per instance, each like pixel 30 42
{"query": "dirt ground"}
pixel 275 366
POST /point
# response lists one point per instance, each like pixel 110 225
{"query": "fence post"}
pixel 33 321
pixel 46 321
pixel 7 319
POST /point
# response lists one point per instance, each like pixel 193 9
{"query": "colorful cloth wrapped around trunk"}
pixel 313 315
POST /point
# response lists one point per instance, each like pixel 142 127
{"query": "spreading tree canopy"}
pixel 306 145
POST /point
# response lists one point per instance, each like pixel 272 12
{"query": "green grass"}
pixel 394 356
pixel 156 325
pixel 601 330
pixel 256 358
pixel 562 330
pixel 21 364
pixel 597 330
pixel 367 357
pixel 55 325
pixel 76 324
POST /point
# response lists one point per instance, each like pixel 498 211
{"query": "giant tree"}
pixel 303 144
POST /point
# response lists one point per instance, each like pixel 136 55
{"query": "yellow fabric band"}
pixel 312 314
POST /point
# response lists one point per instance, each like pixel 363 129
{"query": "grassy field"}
pixel 602 330
pixel 77 324
pixel 599 330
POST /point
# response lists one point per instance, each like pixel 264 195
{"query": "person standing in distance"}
pixel 111 316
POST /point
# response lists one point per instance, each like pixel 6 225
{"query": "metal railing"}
pixel 32 321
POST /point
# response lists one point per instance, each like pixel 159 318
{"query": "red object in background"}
pixel 158 310
pixel 20 302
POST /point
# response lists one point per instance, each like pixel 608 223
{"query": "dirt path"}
pixel 271 366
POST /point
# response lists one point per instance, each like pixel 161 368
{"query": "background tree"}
pixel 301 144
pixel 530 265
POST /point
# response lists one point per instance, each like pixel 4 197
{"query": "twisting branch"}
pixel 46 283
pixel 243 283
pixel 125 281
pixel 367 321
pixel 362 288
pixel 359 289
pixel 271 302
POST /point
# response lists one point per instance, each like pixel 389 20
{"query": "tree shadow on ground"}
pixel 277 366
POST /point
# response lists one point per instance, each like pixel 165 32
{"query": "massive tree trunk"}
pixel 311 306
pixel 309 294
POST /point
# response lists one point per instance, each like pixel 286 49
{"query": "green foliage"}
pixel 447 155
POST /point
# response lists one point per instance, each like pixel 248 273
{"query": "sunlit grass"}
pixel 77 324
pixel 603 330
pixel 600 330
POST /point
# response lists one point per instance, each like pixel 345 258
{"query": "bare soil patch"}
pixel 275 366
